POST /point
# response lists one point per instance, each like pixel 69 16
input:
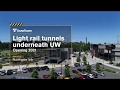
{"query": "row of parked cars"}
pixel 43 68
pixel 92 75
pixel 8 72
pixel 24 70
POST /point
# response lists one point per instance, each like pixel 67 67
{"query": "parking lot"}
pixel 21 75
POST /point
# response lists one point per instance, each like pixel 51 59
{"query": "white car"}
pixel 91 75
pixel 59 73
pixel 24 70
pixel 2 72
pixel 14 71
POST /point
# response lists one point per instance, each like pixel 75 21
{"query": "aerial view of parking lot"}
pixel 59 45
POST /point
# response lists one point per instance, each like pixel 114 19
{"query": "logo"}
pixel 14 29
pixel 24 30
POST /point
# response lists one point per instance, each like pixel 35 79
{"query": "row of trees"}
pixel 84 60
pixel 4 45
pixel 89 68
pixel 53 73
pixel 81 46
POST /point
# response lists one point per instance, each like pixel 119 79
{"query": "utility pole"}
pixel 86 40
pixel 117 39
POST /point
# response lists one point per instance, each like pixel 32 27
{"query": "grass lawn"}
pixel 108 70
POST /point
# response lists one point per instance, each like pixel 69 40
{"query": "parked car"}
pixel 9 72
pixel 86 76
pixel 30 69
pixel 2 72
pixel 44 68
pixel 47 68
pixel 102 74
pixel 91 76
pixel 14 71
pixel 37 68
pixel 79 69
pixel 83 70
pixel 95 75
pixel 60 73
pixel 74 71
pixel 81 77
pixel 100 63
pixel 94 69
pixel 24 70
pixel 77 64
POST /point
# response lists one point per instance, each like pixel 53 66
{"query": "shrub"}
pixel 1 66
pixel 67 71
pixel 78 59
pixel 34 74
pixel 52 74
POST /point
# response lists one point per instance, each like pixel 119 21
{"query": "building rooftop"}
pixel 117 49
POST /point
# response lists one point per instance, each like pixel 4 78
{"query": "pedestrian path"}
pixel 94 60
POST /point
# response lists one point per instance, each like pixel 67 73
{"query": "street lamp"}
pixel 61 67
pixel 103 60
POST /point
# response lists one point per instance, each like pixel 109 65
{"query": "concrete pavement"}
pixel 94 60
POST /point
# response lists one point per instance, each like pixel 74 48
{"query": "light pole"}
pixel 61 67
pixel 103 60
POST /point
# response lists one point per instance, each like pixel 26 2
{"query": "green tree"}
pixel 78 59
pixel 52 74
pixel 98 67
pixel 34 74
pixel 88 68
pixel 1 66
pixel 67 71
pixel 85 60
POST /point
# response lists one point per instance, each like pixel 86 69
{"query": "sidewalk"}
pixel 94 60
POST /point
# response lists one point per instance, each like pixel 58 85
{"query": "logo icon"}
pixel 14 29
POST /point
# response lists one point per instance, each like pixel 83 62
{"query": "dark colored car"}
pixel 44 68
pixel 47 68
pixel 74 71
pixel 37 68
pixel 9 72
pixel 83 70
pixel 29 69
pixel 77 65
pixel 100 63
pixel 79 69
pixel 86 76
pixel 56 75
pixel 95 75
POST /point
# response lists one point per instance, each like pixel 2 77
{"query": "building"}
pixel 103 51
pixel 94 50
pixel 116 54
pixel 57 55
